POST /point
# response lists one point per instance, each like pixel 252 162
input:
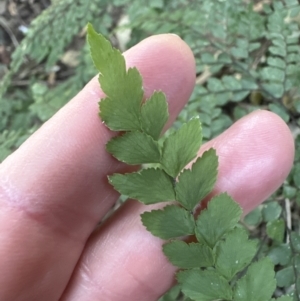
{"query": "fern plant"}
pixel 245 52
pixel 52 31
pixel 23 110
pixel 247 55
pixel 212 267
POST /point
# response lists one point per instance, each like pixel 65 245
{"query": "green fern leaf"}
pixel 234 253
pixel 284 298
pixel 148 186
pixel 225 213
pixel 123 88
pixel 204 285
pixel 276 230
pixel 51 31
pixel 193 185
pixel 188 256
pixel 154 114
pixel 134 148
pixel 258 283
pixel 170 222
pixel 181 147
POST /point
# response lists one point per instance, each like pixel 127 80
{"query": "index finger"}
pixel 53 190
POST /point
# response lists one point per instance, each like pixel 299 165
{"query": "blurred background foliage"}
pixel 247 55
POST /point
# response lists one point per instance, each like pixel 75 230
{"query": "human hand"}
pixel 54 192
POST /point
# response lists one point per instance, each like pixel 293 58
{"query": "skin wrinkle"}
pixel 132 276
pixel 143 284
pixel 39 211
pixel 14 196
pixel 136 241
pixel 16 255
pixel 19 199
pixel 124 261
pixel 87 278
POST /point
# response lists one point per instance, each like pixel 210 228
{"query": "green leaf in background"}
pixel 123 88
pixel 181 147
pixel 238 96
pixel 278 51
pixel 280 111
pixel 275 89
pixel 285 277
pixel 231 83
pixel 284 298
pixel 195 184
pixel 188 256
pixel 271 211
pixel 204 285
pixel 258 283
pixel 170 222
pixel 239 52
pixel 148 186
pixel 276 230
pixel 295 241
pixel 134 148
pixel 234 253
pixel 215 85
pixel 276 62
pixel 225 213
pixel 171 295
pixel 157 3
pixel 254 217
pixel 296 174
pixel 289 191
pixel 273 74
pixel 280 254
pixel 154 114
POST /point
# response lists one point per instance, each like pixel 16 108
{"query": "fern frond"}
pixel 51 32
pixel 247 44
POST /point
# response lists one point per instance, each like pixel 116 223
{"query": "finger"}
pixel 122 261
pixel 54 190
pixel 252 171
